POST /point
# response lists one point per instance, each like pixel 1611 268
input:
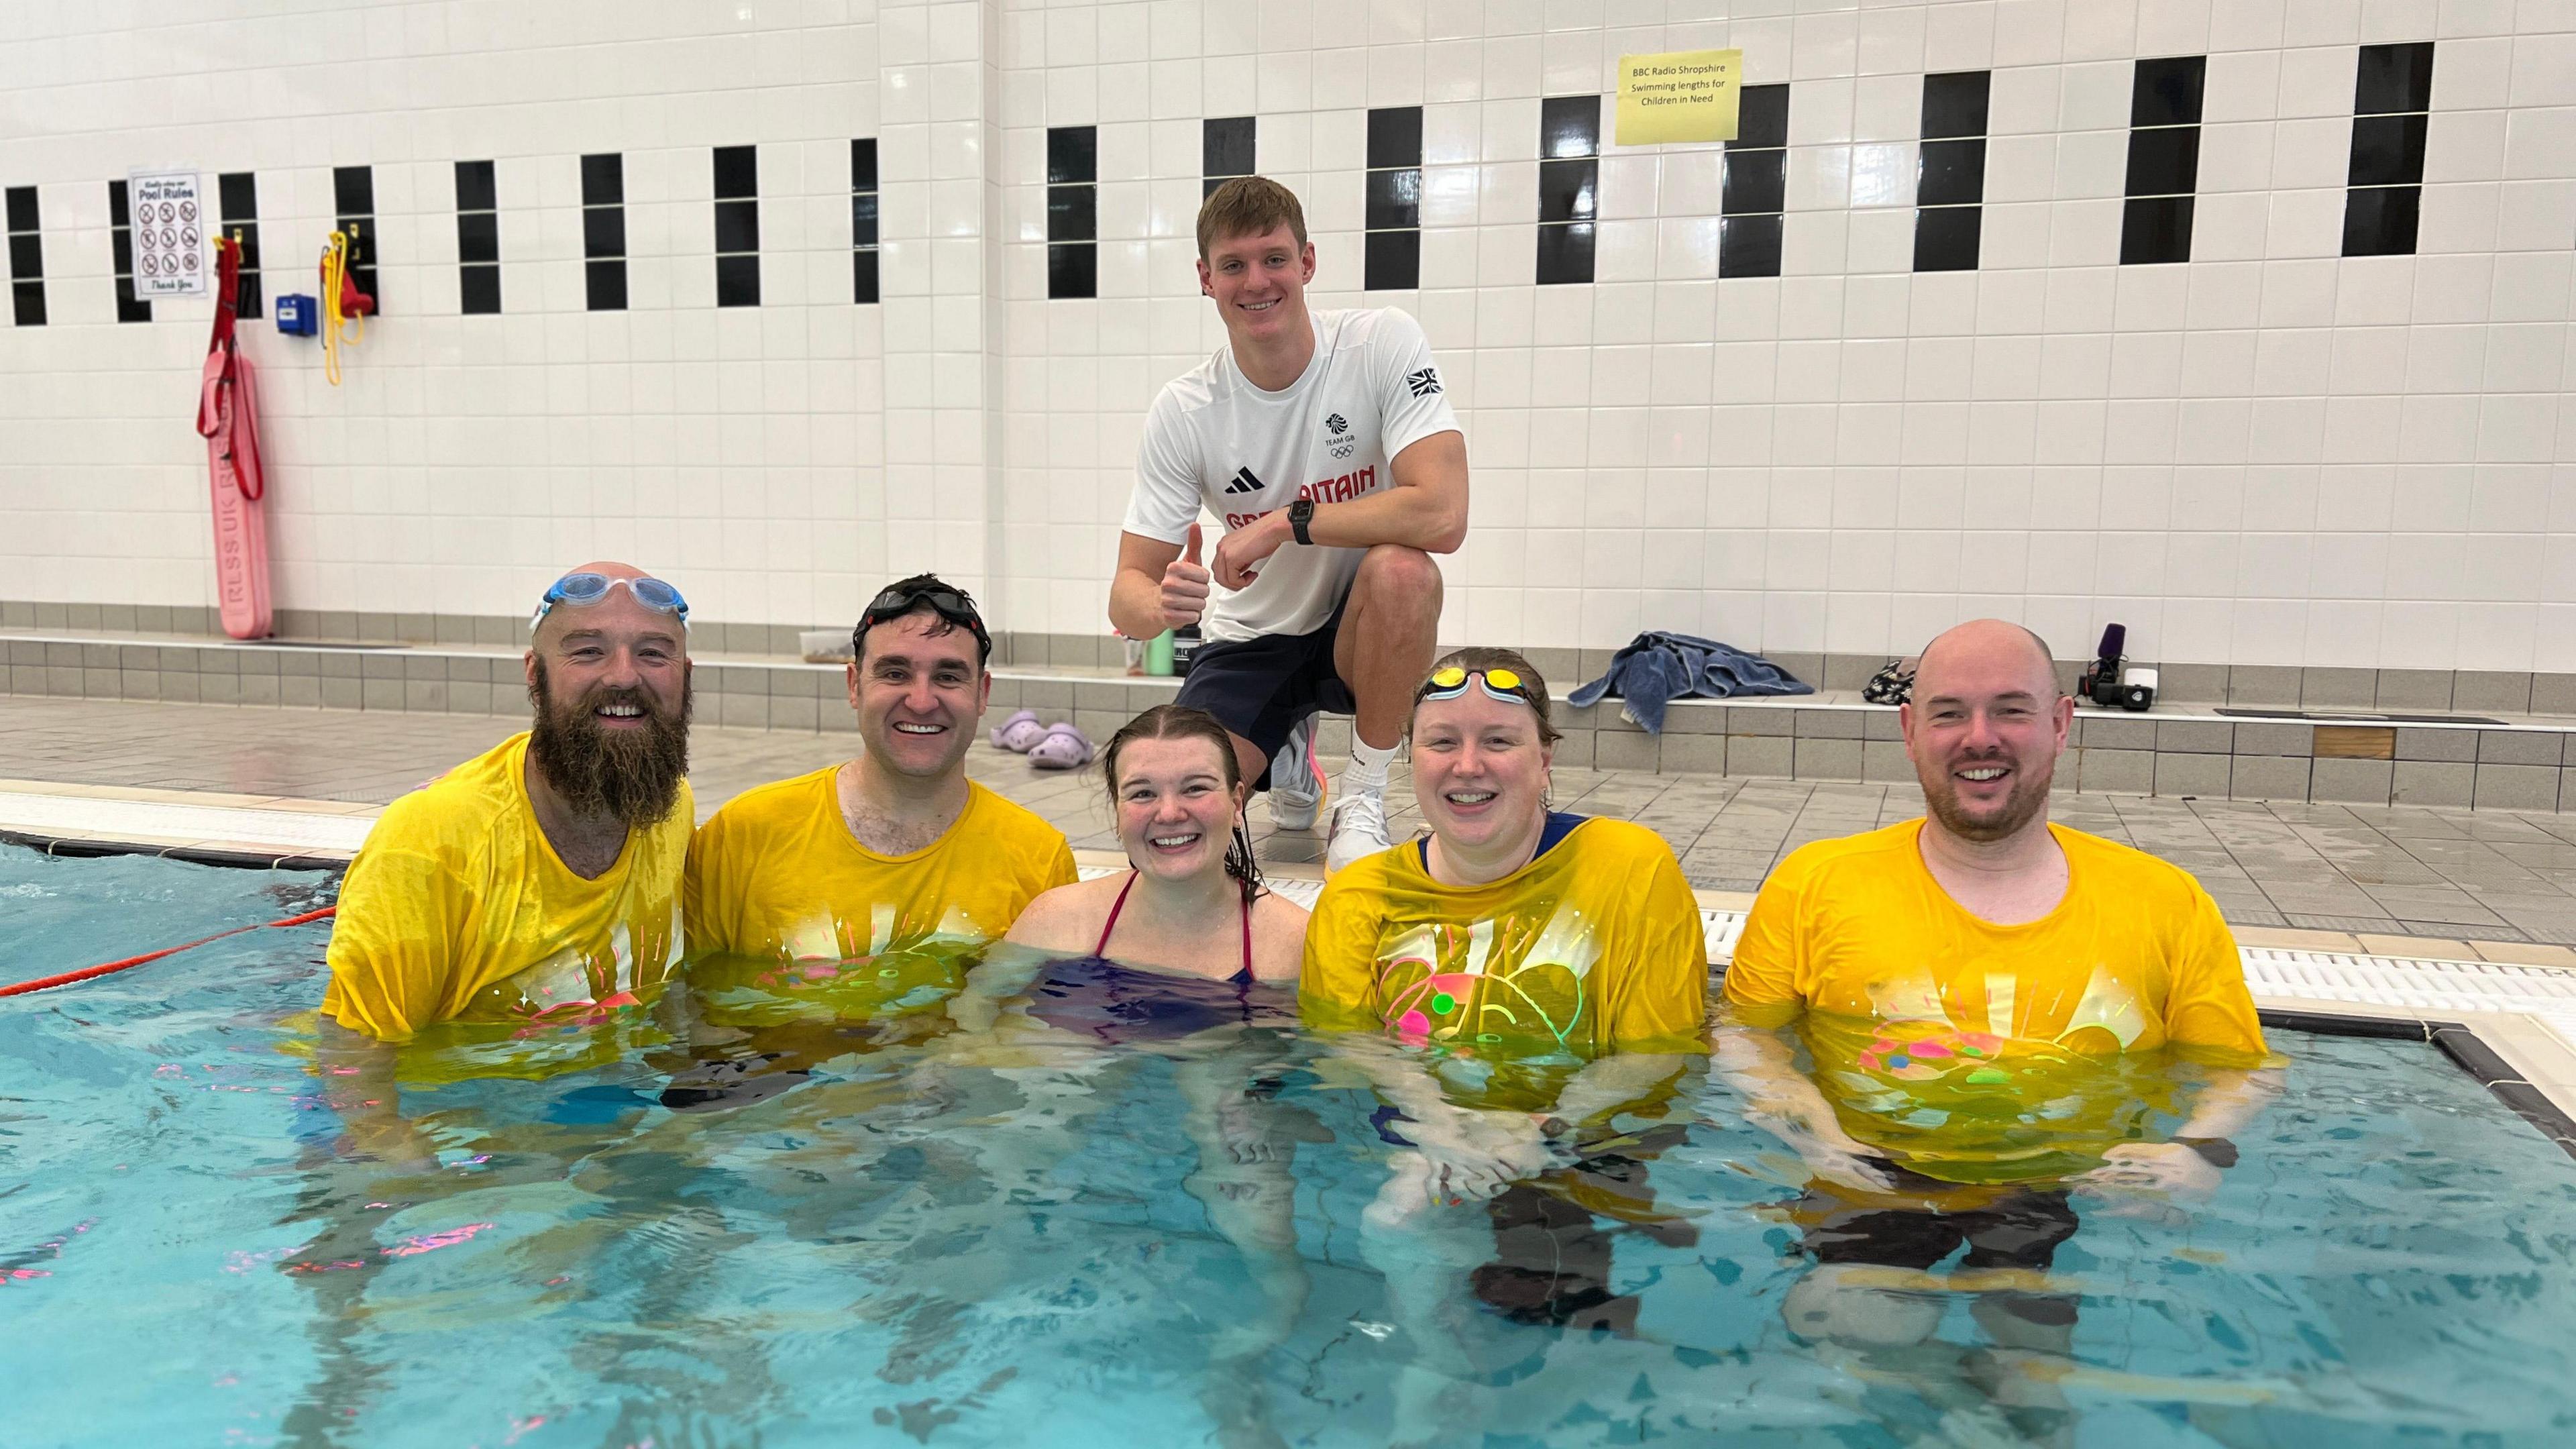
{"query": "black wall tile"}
pixel 26 255
pixel 603 179
pixel 1394 261
pixel 1945 238
pixel 606 285
pixel 1073 153
pixel 479 290
pixel 1569 126
pixel 863 276
pixel 478 236
pixel 27 303
pixel 476 189
pixel 1954 103
pixel 863 219
pixel 1761 117
pixel 737 226
pixel 353 190
pixel 2393 78
pixel 737 172
pixel 1225 146
pixel 1073 214
pixel 1756 181
pixel 237 193
pixel 1568 190
pixel 2387 150
pixel 117 212
pixel 2166 91
pixel 2156 229
pixel 1394 199
pixel 22 208
pixel 738 281
pixel 1073 270
pixel 1748 246
pixel 1395 136
pixel 1565 254
pixel 2164 161
pixel 603 231
pixel 2380 221
pixel 1951 173
pixel 863 164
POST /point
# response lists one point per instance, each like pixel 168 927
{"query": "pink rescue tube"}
pixel 228 419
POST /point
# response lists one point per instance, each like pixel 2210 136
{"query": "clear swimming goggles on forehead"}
pixel 589 588
pixel 1451 682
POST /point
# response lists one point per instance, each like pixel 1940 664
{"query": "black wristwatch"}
pixel 1301 513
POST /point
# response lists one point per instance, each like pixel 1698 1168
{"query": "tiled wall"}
pixel 2271 454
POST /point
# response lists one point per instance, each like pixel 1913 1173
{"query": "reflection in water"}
pixel 996 1223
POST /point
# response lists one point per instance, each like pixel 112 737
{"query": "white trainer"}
pixel 1359 829
pixel 1296 780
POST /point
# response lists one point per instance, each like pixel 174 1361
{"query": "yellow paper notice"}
pixel 1683 95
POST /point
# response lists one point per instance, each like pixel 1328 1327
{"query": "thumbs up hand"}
pixel 1185 585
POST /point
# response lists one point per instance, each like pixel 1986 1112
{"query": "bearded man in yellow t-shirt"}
pixel 852 899
pixel 541 879
pixel 2000 1011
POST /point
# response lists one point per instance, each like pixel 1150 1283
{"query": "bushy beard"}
pixel 632 775
pixel 2028 798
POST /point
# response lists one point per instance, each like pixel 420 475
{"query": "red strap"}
pixel 227 284
pixel 42 983
pixel 1101 951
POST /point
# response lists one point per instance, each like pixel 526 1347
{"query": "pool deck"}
pixel 2463 884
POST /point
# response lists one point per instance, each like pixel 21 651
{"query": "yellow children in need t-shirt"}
pixel 457 907
pixel 776 878
pixel 1980 1052
pixel 1594 945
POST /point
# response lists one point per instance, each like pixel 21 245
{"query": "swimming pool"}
pixel 1047 1240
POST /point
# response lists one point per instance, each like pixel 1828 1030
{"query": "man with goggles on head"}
pixel 1325 444
pixel 541 878
pixel 893 863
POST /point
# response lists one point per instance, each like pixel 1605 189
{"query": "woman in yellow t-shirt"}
pixel 1509 986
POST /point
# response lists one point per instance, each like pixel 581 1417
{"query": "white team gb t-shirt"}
pixel 1370 392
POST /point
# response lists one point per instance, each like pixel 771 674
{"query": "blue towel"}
pixel 1657 668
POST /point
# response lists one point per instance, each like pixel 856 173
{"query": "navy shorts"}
pixel 1262 688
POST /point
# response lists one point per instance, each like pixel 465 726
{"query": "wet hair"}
pixel 1249 206
pixel 1180 722
pixel 940 624
pixel 1475 659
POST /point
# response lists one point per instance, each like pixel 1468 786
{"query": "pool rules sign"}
pixel 169 233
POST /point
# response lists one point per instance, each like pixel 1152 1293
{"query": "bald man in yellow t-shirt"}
pixel 1997 1007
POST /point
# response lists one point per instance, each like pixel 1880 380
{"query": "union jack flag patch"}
pixel 1424 383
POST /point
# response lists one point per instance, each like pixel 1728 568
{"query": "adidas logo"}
pixel 1244 482
pixel 1337 425
pixel 1424 383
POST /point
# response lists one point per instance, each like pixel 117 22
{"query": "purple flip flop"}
pixel 1062 747
pixel 1018 732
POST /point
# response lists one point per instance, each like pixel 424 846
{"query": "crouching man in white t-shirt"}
pixel 1326 445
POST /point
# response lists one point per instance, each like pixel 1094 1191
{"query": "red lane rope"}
pixel 42 983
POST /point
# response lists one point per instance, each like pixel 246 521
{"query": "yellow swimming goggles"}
pixel 1451 682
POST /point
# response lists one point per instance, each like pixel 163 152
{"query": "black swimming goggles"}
pixel 954 605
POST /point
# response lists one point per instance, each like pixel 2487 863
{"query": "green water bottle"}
pixel 1158 654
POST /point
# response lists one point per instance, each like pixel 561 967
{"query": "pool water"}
pixel 1027 1235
